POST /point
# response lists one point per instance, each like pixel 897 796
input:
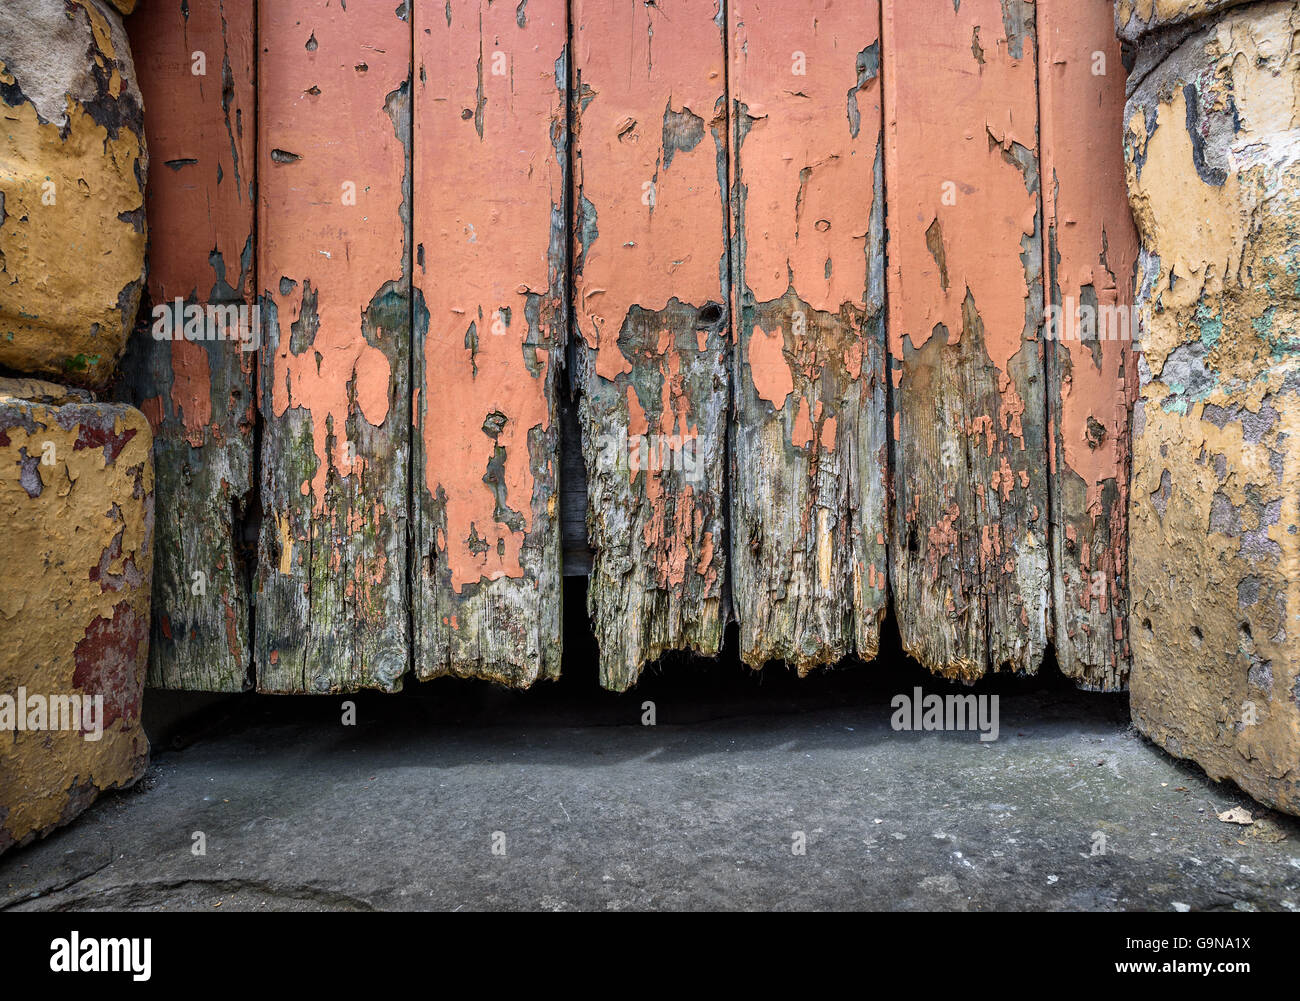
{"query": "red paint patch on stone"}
pixel 108 660
pixel 91 436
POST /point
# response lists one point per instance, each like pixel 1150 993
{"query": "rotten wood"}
pixel 196 71
pixel 1090 261
pixel 970 555
pixel 650 300
pixel 333 265
pixel 809 512
pixel 490 230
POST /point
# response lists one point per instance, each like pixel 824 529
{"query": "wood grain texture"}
pixel 490 228
pixel 195 65
pixel 809 510
pixel 650 302
pixel 970 560
pixel 1090 262
pixel 333 264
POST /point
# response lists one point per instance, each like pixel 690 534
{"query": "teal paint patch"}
pixel 1211 326
pixel 1281 342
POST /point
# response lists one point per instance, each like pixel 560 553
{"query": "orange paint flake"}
pixel 1004 479
pixel 191 389
pixel 152 408
pixel 773 380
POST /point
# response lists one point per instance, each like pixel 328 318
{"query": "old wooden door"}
pixel 786 266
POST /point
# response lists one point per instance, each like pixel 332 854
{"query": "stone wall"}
pixel 1212 143
pixel 76 475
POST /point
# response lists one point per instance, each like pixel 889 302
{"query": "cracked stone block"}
pixel 1136 18
pixel 76 526
pixel 72 178
pixel 1213 163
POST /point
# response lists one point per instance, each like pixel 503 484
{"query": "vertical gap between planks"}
pixel 570 204
pixel 565 386
pixel 1048 349
pixel 255 376
pixel 413 500
pixel 728 613
pixel 887 357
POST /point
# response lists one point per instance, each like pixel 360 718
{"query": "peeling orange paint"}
pixel 191 389
pixel 965 304
pixel 668 535
pixel 657 210
pixel 810 149
pixel 772 377
pixel 1090 255
pixel 152 408
pixel 649 265
pixel 197 65
pixel 969 112
pixel 488 181
pixel 331 200
pixel 1096 244
pixel 201 140
pixel 808 238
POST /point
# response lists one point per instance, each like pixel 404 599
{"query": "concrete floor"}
pixel 700 811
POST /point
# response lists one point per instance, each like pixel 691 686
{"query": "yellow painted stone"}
pixel 72 174
pixel 1213 151
pixel 76 506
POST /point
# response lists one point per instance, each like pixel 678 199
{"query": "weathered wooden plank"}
pixel 1090 261
pixel 196 69
pixel 333 251
pixel 970 558
pixel 809 512
pixel 1214 181
pixel 490 231
pixel 650 298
